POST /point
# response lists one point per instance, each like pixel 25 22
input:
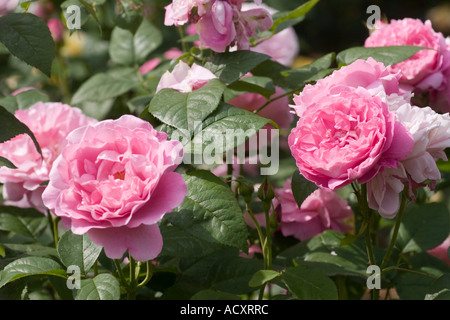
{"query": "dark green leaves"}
pixel 78 250
pixel 127 48
pixel 309 284
pixel 30 266
pixel 185 111
pixel 301 187
pixel 27 37
pixel 102 287
pixel 210 211
pixel 287 19
pixel 389 55
pixel 231 66
pixel 424 227
pixel 12 127
pixel 103 86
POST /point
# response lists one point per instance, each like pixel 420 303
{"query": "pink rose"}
pixel 115 180
pixel 322 210
pixel 184 78
pixel 7 6
pixel 431 135
pixel 346 132
pixel 50 123
pixel 179 12
pixel 441 251
pixel 248 25
pixel 216 28
pixel 440 98
pixel 424 69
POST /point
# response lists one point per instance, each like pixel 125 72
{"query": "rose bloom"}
pixel 322 210
pixel 149 65
pixel 184 78
pixel 50 124
pixel 346 131
pixel 431 134
pixel 440 98
pixel 424 69
pixel 115 180
pixel 56 28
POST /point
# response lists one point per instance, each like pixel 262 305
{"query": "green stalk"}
pixel 395 232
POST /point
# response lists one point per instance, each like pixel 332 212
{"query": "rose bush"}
pixel 129 167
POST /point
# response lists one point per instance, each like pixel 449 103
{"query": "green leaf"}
pixel 388 55
pixel 210 211
pixel 28 226
pixel 263 276
pixel 262 85
pixel 28 38
pixel 103 287
pixel 294 15
pixel 309 284
pixel 231 66
pixel 227 128
pixel 146 40
pixel 424 227
pixel 6 163
pixel 440 289
pixel 121 47
pixel 12 127
pixel 179 243
pixel 78 250
pixel 301 187
pixel 23 100
pixel 30 266
pixel 103 86
pixel 185 111
pixel 224 271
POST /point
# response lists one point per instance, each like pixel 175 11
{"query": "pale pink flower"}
pixel 173 53
pixel 179 12
pixel 7 6
pixel 346 131
pixel 424 69
pixel 50 124
pixel 185 78
pixel 249 23
pixel 149 65
pixel 216 29
pixel 115 180
pixel 431 134
pixel 440 97
pixel 441 251
pixel 321 210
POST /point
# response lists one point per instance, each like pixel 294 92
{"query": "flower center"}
pixel 120 175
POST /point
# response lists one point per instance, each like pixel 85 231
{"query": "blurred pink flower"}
pixel 56 28
pixel 322 210
pixel 184 78
pixel 50 123
pixel 346 131
pixel 7 6
pixel 149 65
pixel 115 180
pixel 173 53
